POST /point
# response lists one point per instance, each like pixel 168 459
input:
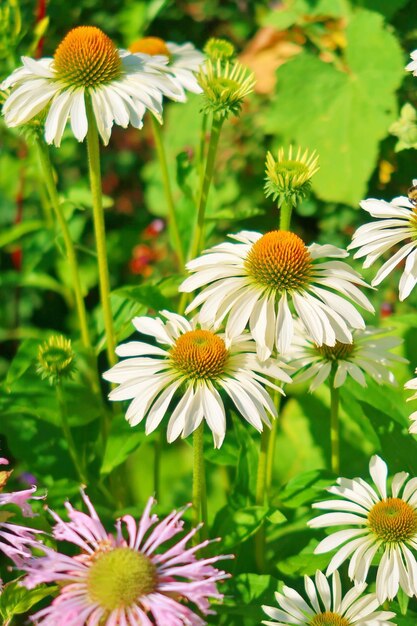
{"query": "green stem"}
pixel 262 465
pixel 334 427
pixel 285 215
pixel 93 149
pixel 199 507
pixel 173 224
pixel 202 145
pixel 157 464
pixel 47 173
pixel 72 449
pixel 260 537
pixel 272 444
pixel 198 236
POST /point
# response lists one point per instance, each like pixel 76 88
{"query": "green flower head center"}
pixel 294 172
pixel 338 352
pixel 200 354
pixel 280 260
pixel 225 88
pixel 393 520
pixel 328 619
pixel 87 57
pixel 117 579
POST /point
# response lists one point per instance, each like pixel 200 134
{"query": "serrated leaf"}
pixel 332 109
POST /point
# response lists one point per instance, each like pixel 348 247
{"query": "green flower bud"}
pixel 288 179
pixel 225 86
pixel 219 49
pixel 405 128
pixel 55 359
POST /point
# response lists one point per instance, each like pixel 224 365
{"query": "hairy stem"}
pixel 93 149
pixel 199 494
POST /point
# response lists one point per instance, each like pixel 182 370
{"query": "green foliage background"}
pixel 338 91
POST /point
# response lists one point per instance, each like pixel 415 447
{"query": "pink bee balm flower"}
pixel 127 578
pixel 15 541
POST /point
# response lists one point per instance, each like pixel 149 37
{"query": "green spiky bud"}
pixel 225 86
pixel 288 178
pixel 55 359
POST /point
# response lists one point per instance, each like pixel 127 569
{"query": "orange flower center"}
pixel 150 45
pixel 393 520
pixel 328 618
pixel 86 57
pixel 279 260
pixel 200 354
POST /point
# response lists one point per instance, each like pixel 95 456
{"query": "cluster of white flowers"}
pixel 88 70
pixel 268 303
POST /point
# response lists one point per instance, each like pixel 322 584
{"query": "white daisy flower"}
pixel 87 64
pixel 368 354
pixel 412 384
pixel 184 60
pixel 194 362
pixel 327 606
pixel 397 225
pixel 378 523
pixel 256 279
pixel 412 66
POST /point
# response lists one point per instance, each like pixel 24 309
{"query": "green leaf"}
pixel 304 562
pixel 236 526
pixel 122 441
pixel 34 279
pixel 305 488
pixel 300 11
pixel 244 596
pixel 16 232
pixel 15 599
pixel 332 109
pixel 246 470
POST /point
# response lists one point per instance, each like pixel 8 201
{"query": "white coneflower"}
pixel 412 384
pixel 368 355
pixel 412 66
pixel 184 60
pixel 327 606
pixel 197 362
pixel 256 279
pixel 375 521
pixel 87 64
pixel 397 225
